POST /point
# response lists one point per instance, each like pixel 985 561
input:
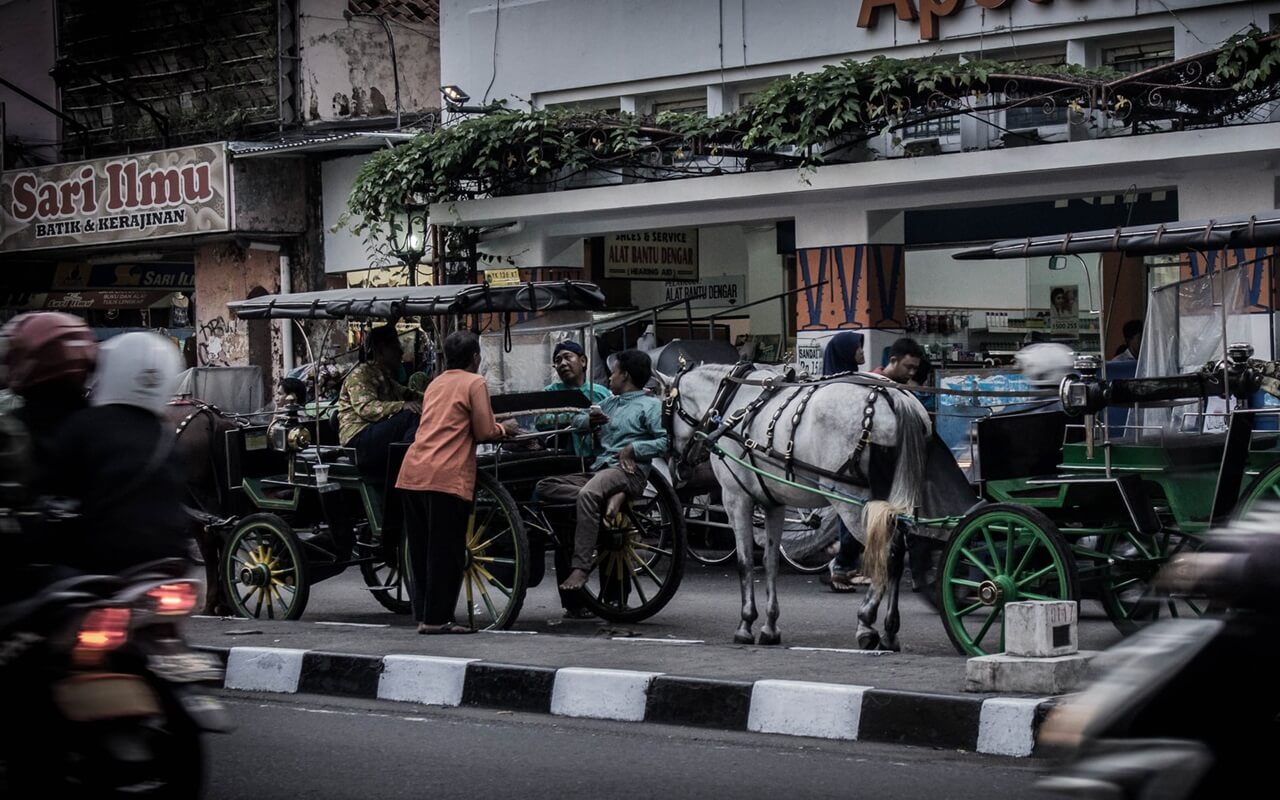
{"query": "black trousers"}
pixel 372 443
pixel 436 524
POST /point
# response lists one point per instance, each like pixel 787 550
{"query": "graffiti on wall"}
pixel 221 343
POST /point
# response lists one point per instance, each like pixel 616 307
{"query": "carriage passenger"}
pixel 631 435
pixel 374 410
pixel 570 363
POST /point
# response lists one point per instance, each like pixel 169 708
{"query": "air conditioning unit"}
pixel 1021 137
pixel 922 147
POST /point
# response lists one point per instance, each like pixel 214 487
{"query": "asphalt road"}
pixel 313 747
pixel 707 607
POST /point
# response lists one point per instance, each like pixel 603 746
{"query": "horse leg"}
pixel 868 637
pixel 773 521
pixel 738 506
pixel 897 559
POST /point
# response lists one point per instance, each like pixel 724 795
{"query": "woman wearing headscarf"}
pixel 844 354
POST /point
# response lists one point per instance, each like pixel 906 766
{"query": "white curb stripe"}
pixel 1007 726
pixel 802 708
pixel 264 669
pixel 429 680
pixel 601 693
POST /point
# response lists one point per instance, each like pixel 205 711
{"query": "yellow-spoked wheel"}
pixel 264 570
pixel 496 572
pixel 639 556
pixel 387 574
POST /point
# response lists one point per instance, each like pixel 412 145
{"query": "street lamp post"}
pixel 407 237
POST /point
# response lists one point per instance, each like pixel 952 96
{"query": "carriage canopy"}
pixel 414 301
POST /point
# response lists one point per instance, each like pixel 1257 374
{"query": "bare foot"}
pixel 614 506
pixel 576 580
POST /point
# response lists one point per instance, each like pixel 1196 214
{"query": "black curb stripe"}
pixel 340 673
pixel 509 686
pixel 694 701
pixel 938 720
pixel 1042 713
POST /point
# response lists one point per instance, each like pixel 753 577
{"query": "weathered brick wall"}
pixel 227 271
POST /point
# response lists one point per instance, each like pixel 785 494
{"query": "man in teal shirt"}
pixel 570 362
pixel 631 435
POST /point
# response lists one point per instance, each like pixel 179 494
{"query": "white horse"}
pixel 821 425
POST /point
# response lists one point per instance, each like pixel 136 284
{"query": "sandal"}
pixel 448 627
pixel 840 584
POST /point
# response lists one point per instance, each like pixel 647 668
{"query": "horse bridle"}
pixel 712 422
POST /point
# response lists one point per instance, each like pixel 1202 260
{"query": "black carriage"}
pixel 306 511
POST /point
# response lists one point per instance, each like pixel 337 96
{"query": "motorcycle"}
pixel 103 691
pixel 1188 707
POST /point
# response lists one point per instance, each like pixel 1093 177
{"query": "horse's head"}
pixel 686 400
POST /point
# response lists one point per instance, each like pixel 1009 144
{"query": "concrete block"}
pixel 800 708
pixel 1006 673
pixel 1008 726
pixel 601 693
pixel 430 680
pixel 264 669
pixel 1041 628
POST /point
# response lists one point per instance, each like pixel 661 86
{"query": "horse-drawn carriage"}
pixel 294 508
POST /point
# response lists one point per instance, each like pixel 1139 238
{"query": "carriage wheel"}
pixel 1133 559
pixel 804 526
pixel 496 572
pixel 640 556
pixel 264 570
pixel 1000 554
pixel 1264 488
pixel 708 544
pixel 387 572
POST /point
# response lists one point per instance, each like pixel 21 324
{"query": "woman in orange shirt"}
pixel 438 481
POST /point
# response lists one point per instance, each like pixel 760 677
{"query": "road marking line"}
pixel 357 624
pixel 844 650
pixel 643 640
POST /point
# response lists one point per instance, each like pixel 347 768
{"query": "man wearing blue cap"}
pixel 570 363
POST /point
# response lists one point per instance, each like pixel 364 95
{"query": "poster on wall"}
pixel 174 192
pixel 1064 310
pixel 668 255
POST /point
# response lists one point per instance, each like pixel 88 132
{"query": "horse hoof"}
pixel 770 638
pixel 743 638
pixel 869 641
pixel 892 645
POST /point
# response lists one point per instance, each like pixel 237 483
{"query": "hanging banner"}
pixel 84 300
pixel 126 198
pixel 670 255
pixel 720 291
pixel 153 277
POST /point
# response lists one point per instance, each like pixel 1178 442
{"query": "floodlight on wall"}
pixel 453 95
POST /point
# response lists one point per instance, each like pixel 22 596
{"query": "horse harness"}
pixel 715 425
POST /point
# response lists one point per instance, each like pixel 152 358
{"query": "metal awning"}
pixel 352 141
pixel 1255 230
pixel 416 301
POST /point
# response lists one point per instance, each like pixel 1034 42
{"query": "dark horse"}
pixel 200 447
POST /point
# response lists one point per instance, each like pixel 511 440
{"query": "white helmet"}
pixel 137 369
pixel 1045 363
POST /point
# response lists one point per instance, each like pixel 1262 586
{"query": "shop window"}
pixel 945 126
pixel 688 105
pixel 1133 58
pixel 1033 115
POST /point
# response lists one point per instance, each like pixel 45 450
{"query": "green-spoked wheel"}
pixel 496 572
pixel 1000 554
pixel 1128 593
pixel 639 556
pixel 1265 488
pixel 264 569
pixel 387 572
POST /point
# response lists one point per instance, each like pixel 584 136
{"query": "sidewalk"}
pixel 614 674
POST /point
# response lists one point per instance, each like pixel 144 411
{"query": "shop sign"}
pixel 502 277
pixel 127 198
pixel 670 255
pixel 81 301
pixel 156 277
pixel 720 291
pixel 931 11
pixel 809 350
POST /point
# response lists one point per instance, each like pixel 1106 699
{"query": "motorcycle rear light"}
pixel 174 598
pixel 104 629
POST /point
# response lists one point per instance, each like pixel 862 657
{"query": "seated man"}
pixel 570 362
pixel 373 409
pixel 631 435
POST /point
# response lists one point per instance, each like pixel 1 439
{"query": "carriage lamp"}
pixel 407 237
pixel 288 438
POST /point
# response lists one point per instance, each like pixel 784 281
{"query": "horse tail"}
pixel 880 517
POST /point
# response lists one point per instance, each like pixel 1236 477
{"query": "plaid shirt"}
pixel 369 395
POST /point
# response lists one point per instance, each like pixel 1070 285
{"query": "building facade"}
pixel 874 234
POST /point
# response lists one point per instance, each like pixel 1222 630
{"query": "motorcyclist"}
pixel 115 465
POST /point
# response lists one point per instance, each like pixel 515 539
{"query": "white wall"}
pixel 346 66
pixel 567 50
pixel 26 54
pixel 935 279
pixel 343 250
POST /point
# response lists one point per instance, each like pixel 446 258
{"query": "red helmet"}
pixel 47 347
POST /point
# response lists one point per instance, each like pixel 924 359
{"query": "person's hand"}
pixel 511 427
pixel 414 406
pixel 627 460
pixel 596 417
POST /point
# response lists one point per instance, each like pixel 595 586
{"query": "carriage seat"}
pixel 327 454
